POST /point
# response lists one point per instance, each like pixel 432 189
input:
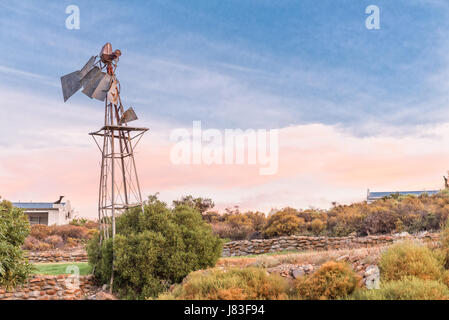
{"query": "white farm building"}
pixel 48 213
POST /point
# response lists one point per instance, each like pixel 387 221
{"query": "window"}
pixel 38 218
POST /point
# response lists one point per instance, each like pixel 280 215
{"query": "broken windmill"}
pixel 119 184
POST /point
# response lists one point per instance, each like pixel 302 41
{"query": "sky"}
pixel 355 108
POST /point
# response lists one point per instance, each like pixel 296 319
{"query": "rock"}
pixel 51 292
pixel 422 233
pixel 308 268
pixel 342 258
pixel 372 277
pixel 297 273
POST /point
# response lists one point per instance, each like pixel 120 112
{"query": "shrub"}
pixel 283 223
pixel 82 222
pixel 380 221
pixel 199 204
pixel 40 231
pixel 408 288
pixel 34 244
pixel 235 225
pixel 78 222
pixel 222 229
pixel 154 249
pixel 30 243
pixel 69 231
pixel 333 280
pixel 409 259
pixel 72 242
pixel 391 214
pixel 44 237
pixel 91 225
pixel 100 258
pixel 14 228
pixel 55 241
pixel 43 246
pixel 91 233
pixel 240 227
pixel 318 226
pixel 444 235
pixel 346 219
pixel 232 284
pixel 258 219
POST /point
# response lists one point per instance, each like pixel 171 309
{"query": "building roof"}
pixel 34 205
pixel 378 195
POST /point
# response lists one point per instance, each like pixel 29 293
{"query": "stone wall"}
pixel 73 255
pixel 303 243
pixel 61 287
pixel 257 246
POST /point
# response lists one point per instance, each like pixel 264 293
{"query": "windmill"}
pixel 119 187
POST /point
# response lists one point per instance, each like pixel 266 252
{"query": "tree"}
pixel 14 228
pixel 200 204
pixel 154 249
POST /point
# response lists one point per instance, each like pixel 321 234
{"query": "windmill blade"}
pixel 98 86
pixel 90 76
pixel 70 84
pixel 128 116
pixel 102 89
pixel 87 67
pixel 91 84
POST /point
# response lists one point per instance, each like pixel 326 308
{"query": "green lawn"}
pixel 61 268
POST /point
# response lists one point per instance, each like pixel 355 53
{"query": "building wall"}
pixel 53 217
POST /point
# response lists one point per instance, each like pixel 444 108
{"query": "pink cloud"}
pixel 317 164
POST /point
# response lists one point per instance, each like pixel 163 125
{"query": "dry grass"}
pixel 367 255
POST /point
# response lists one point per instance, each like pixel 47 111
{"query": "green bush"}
pixel 410 259
pixel 232 284
pixel 408 288
pixel 14 228
pixel 333 280
pixel 100 258
pixel 154 249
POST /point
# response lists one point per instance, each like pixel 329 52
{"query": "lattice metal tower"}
pixel 119 183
